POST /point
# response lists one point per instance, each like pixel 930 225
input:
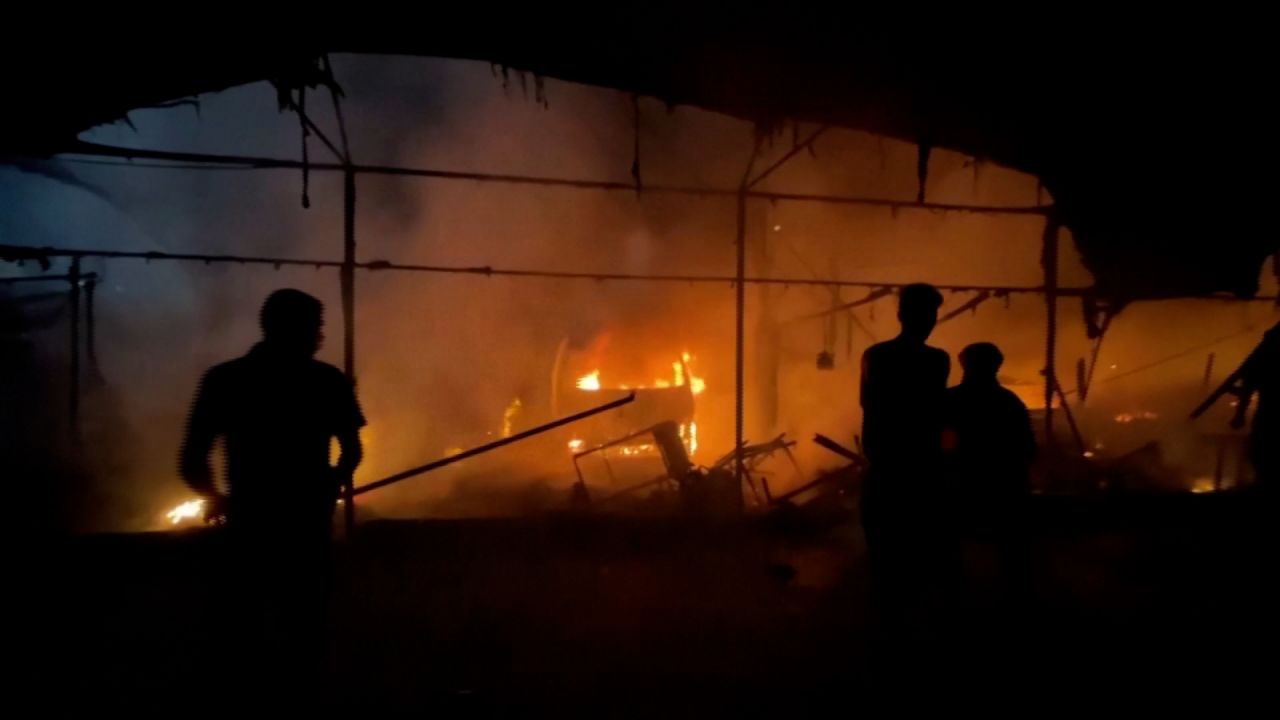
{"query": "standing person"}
pixel 990 447
pixel 904 381
pixel 1260 375
pixel 277 409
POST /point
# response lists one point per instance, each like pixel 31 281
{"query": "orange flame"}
pixel 590 381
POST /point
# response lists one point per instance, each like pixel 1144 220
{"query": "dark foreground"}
pixel 1153 599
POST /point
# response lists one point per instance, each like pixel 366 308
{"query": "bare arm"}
pixel 351 452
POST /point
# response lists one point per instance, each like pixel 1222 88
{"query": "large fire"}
pixel 682 375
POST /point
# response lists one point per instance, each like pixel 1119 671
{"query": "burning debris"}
pixel 659 400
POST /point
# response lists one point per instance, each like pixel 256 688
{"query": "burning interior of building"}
pixel 465 335
pixel 559 296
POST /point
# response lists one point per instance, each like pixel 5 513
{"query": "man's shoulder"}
pixel 897 346
pixel 937 353
pixel 878 349
pixel 326 371
pixel 1012 398
pixel 225 370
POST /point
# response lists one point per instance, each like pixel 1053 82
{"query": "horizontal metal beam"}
pixel 264 163
pixel 488 271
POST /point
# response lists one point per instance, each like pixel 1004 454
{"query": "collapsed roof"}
pixel 1150 144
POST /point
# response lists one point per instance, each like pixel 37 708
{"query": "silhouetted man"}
pixel 990 447
pixel 277 409
pixel 1260 375
pixel 903 385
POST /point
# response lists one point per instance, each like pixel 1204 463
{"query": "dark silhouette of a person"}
pixel 277 410
pixel 1260 375
pixel 990 446
pixel 904 382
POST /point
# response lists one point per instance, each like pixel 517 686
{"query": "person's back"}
pixel 990 447
pixel 277 415
pixel 903 382
pixel 1261 375
pixel 277 410
pixel 988 429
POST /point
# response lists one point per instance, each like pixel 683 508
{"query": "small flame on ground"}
pixel 188 510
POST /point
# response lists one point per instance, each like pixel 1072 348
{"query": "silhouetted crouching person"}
pixel 277 410
pixel 990 449
pixel 903 385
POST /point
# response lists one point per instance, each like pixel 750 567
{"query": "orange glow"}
pixel 576 444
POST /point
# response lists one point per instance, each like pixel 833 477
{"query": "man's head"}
pixel 918 310
pixel 981 362
pixel 292 320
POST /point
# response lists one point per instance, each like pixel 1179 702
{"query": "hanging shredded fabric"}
pixel 635 144
pixel 922 167
pixel 302 123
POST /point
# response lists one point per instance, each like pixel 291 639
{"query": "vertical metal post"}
pixel 740 310
pixel 348 281
pixel 73 389
pixel 1049 260
pixel 91 327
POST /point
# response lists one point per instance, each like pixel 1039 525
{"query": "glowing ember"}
pixel 590 381
pixel 1126 418
pixel 576 444
pixel 1203 484
pixel 1088 453
pixel 189 510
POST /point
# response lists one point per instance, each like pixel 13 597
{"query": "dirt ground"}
pixel 1151 597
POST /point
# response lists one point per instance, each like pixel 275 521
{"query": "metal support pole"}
pixel 73 389
pixel 1049 260
pixel 740 310
pixel 348 281
pixel 91 327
